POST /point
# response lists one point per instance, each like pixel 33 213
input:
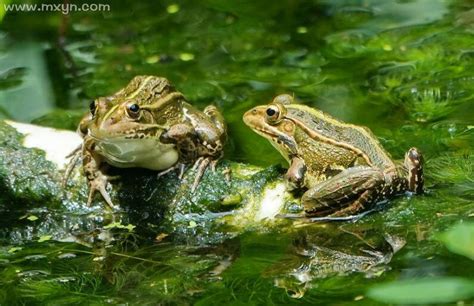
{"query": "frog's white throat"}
pixel 142 153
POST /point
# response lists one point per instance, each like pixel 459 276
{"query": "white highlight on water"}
pixel 272 202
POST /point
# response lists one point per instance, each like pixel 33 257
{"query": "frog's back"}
pixel 331 130
pixel 145 88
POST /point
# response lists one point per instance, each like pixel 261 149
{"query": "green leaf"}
pixel 14 249
pixel 119 225
pixel 2 8
pixel 423 291
pixel 44 238
pixel 459 239
pixel 32 218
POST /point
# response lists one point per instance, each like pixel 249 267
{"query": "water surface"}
pixel 402 68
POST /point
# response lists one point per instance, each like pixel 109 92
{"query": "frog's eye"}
pixel 273 114
pixel 133 110
pixel 92 107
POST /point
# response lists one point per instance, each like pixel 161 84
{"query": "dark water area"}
pixel 405 69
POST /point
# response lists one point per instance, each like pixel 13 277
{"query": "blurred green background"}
pixel 403 68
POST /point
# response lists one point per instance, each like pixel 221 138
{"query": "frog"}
pixel 147 124
pixel 341 168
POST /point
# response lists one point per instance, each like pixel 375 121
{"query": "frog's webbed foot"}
pixel 345 194
pixel 99 183
pixel 201 165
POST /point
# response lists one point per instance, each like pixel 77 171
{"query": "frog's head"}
pixel 270 121
pixel 131 113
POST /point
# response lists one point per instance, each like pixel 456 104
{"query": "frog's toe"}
pixel 227 173
pixel 414 166
pixel 164 172
pixel 200 166
pixel 75 156
pixel 100 184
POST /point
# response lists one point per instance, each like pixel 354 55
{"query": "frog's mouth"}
pixel 283 143
pixel 120 134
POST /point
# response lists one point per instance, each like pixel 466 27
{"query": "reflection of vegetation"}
pixel 65 274
pixel 459 239
pixel 367 62
pixel 11 77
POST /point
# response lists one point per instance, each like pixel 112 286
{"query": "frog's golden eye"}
pixel 133 110
pixel 92 107
pixel 273 114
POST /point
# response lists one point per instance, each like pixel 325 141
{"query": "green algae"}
pixel 31 181
pixel 403 68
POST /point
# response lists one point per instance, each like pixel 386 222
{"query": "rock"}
pixel 32 161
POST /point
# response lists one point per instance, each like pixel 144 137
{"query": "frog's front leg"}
pixel 295 174
pixel 184 136
pixel 346 193
pixel 94 172
pixel 200 140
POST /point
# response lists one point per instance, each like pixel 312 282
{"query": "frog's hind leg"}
pixel 351 191
pixel 216 150
pixel 216 117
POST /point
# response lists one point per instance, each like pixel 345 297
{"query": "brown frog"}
pixel 343 166
pixel 147 124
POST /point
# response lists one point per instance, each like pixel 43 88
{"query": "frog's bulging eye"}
pixel 133 110
pixel 92 107
pixel 273 114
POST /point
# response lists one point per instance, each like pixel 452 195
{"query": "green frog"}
pixel 147 124
pixel 343 166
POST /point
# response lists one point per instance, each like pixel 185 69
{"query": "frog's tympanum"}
pixel 343 166
pixel 147 124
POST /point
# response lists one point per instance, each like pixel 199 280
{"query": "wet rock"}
pixel 32 198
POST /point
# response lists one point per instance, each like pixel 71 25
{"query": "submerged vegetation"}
pixel 402 68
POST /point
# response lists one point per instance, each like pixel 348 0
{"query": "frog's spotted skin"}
pixel 147 124
pixel 343 166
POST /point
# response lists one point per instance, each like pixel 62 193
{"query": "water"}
pixel 402 68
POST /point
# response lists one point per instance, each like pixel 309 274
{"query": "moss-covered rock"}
pixel 31 169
